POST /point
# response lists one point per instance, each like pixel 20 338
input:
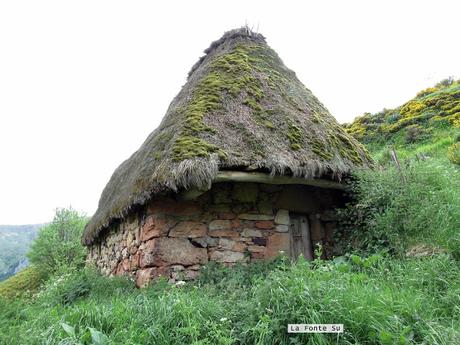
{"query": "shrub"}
pixel 414 133
pixel 453 153
pixel 394 209
pixel 57 246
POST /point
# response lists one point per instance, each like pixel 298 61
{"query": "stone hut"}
pixel 246 163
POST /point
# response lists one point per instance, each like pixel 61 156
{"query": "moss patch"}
pixel 294 135
pixel 242 71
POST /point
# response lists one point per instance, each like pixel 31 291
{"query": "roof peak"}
pixel 242 32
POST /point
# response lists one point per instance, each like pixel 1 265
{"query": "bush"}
pixel 57 246
pixel 414 133
pixel 394 209
pixel 453 153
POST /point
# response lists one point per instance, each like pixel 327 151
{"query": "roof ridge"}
pixel 242 32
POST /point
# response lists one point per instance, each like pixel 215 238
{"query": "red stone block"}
pixel 265 224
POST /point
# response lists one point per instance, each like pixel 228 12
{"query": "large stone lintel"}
pixel 240 176
pixel 257 177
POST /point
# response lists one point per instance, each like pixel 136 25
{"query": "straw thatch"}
pixel 241 109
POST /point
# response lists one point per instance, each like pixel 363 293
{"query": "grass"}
pixel 386 302
pixel 25 282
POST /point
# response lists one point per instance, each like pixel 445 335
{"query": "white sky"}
pixel 82 83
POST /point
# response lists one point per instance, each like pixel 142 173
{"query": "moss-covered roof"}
pixel 241 109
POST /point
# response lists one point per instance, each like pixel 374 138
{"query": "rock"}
pixel 227 256
pixel 145 276
pixel 206 241
pixel 276 243
pixel 255 216
pixel 257 256
pixel 265 224
pixel 129 239
pixel 224 233
pixel 148 260
pixel 174 208
pixel 251 233
pixel 188 229
pixel 155 226
pixel 220 224
pixel 256 249
pixel 225 243
pixel 282 228
pixel 177 268
pixel 160 251
pixel 134 262
pixel 245 192
pixel 180 251
pixel 282 217
pixel 194 267
pixel 236 224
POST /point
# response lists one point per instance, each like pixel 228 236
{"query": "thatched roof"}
pixel 241 109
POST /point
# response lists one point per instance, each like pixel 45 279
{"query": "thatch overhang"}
pixel 241 109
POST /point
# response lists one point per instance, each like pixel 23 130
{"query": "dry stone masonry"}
pixel 231 223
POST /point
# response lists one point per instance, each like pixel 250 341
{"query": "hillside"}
pixel 425 124
pixel 15 241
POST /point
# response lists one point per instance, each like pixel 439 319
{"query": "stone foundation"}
pixel 233 222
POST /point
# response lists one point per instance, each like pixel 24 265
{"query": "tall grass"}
pixel 395 209
pixel 378 299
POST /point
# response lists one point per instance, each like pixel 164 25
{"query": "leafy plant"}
pixel 58 246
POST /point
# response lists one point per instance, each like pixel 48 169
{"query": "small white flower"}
pixel 180 283
pixel 223 319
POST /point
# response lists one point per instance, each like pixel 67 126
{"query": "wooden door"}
pixel 300 243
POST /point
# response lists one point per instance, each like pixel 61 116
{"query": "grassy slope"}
pixel 428 124
pixel 25 282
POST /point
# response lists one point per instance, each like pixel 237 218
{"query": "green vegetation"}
pixel 454 153
pixel 22 284
pixel 57 246
pixel 380 301
pixel 395 210
pixel 432 109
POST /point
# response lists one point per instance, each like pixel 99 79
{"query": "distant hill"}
pixel 433 114
pixel 15 241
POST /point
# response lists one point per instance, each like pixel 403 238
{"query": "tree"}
pixel 58 245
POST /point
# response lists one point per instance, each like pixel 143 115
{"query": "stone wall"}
pixel 233 222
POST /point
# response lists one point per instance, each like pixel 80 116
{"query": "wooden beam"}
pixel 239 176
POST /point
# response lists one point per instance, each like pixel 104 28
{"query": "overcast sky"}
pixel 82 83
